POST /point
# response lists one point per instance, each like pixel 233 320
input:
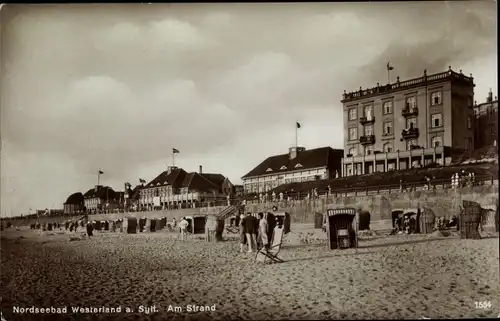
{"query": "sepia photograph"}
pixel 249 161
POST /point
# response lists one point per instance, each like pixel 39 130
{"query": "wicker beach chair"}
pixel 270 254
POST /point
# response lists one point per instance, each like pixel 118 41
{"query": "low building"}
pixel 74 204
pixel 176 188
pixel 238 190
pixel 298 165
pixel 100 199
pixel 486 122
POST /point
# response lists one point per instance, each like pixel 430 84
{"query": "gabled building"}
pixel 74 204
pixel 100 198
pixel 298 165
pixel 176 188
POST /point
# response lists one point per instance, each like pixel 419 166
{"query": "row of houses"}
pixel 431 119
pixel 171 189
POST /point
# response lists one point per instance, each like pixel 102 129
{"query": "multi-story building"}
pixel 486 122
pixel 298 165
pixel 100 198
pixel 408 123
pixel 176 188
pixel 74 204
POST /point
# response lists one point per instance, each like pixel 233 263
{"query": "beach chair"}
pixel 270 254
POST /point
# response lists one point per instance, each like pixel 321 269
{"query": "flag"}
pixel 141 180
pixel 389 67
pixel 101 172
pixel 298 125
pixel 175 151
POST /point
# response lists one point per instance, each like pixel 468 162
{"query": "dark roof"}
pixel 75 198
pixel 102 192
pixel 386 179
pixel 174 179
pixel 216 179
pixel 313 158
pixel 197 182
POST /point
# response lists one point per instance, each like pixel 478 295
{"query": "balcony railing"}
pixel 367 140
pixel 410 133
pixel 366 120
pixel 408 112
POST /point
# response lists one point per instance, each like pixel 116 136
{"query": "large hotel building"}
pixel 408 123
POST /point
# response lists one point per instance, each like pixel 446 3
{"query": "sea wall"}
pixel 444 202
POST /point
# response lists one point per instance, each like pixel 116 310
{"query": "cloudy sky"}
pixel 117 87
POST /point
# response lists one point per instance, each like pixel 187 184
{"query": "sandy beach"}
pixel 386 277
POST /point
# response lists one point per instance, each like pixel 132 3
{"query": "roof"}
pixel 313 158
pixel 75 198
pixel 101 192
pixel 197 182
pixel 216 179
pixel 384 179
pixel 174 179
pixel 178 178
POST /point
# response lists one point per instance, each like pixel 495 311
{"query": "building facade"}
pixel 100 199
pixel 486 122
pixel 408 123
pixel 176 188
pixel 298 165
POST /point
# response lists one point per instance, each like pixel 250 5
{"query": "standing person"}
pixel 183 224
pixel 242 233
pixel 174 222
pixel 90 228
pixel 249 228
pixel 263 230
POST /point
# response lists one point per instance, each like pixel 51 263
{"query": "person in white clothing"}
pixel 183 224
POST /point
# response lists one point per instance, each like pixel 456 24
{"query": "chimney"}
pixel 201 170
pixel 294 151
pixel 490 97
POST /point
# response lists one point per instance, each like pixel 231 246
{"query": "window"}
pixel 437 141
pixel 368 129
pixel 388 128
pixel 411 102
pixel 387 148
pixel 469 143
pixel 411 123
pixel 298 165
pixel 353 114
pixel 353 133
pixel 410 143
pixel 436 98
pixel 387 107
pixel 436 120
pixel 283 167
pixel 269 170
pixel 368 150
pixel 353 151
pixel 469 101
pixel 367 112
pixel 469 122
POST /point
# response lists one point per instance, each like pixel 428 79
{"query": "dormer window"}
pixel 283 167
pixel 298 165
pixel 165 183
pixel 269 170
pixel 158 184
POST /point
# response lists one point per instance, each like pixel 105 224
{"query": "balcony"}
pixel 366 120
pixel 410 133
pixel 367 140
pixel 409 112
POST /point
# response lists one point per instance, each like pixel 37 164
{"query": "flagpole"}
pixel 98 176
pixel 173 158
pixel 296 135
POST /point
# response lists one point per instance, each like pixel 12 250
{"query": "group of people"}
pixel 463 179
pixel 253 231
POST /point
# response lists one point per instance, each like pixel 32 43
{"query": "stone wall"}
pixel 444 202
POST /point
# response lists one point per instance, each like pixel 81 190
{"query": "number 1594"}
pixel 483 304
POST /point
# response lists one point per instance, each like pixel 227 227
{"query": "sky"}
pixel 116 87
